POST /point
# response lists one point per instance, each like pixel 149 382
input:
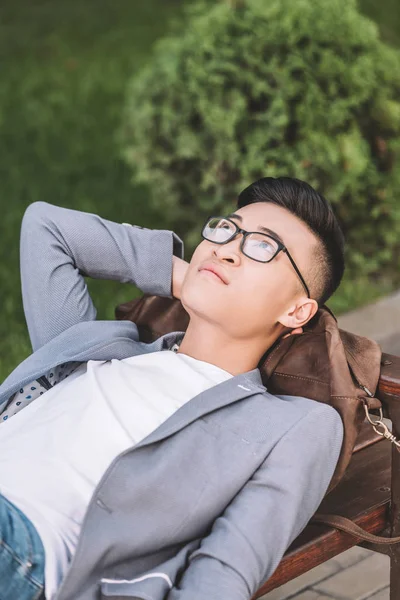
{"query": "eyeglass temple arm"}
pixel 297 271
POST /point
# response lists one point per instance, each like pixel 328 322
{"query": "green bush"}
pixel 254 88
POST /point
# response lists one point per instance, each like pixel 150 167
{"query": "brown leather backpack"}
pixel 323 363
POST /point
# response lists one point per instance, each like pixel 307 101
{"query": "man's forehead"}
pixel 276 218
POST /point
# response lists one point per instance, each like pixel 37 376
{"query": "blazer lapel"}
pixel 227 392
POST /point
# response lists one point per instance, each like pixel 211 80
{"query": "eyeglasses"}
pixel 255 245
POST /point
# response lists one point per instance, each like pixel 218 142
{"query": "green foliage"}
pixel 64 72
pixel 252 89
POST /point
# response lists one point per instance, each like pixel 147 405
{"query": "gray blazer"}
pixel 206 505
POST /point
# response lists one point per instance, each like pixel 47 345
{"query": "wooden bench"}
pixel 369 494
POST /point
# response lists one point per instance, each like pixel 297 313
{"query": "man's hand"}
pixel 179 268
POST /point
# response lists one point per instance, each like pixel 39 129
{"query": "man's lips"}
pixel 215 271
pixel 213 275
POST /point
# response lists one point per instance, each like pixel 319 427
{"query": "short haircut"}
pixel 298 197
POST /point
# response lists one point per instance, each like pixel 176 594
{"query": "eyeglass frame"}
pixel 281 247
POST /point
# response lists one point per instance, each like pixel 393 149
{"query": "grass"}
pixel 65 66
pixel 61 95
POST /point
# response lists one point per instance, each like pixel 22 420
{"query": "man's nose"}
pixel 230 251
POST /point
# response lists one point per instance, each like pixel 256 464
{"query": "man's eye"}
pixel 223 226
pixel 265 245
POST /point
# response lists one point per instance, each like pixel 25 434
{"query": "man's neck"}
pixel 207 342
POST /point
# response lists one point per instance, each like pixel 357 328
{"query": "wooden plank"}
pixel 389 381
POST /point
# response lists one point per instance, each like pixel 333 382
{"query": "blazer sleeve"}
pixel 248 541
pixel 60 246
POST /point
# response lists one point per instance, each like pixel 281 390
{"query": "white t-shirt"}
pixel 54 452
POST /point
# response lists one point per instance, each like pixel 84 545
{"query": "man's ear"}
pixel 299 314
pixel 293 332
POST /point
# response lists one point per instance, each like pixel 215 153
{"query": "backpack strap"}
pixel 349 526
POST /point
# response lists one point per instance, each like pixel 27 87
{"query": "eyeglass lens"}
pixel 257 245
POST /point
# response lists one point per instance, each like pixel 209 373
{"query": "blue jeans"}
pixel 21 556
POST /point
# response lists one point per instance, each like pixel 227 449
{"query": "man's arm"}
pixel 59 246
pixel 248 541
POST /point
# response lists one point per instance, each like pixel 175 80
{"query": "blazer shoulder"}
pixel 323 413
pixel 289 410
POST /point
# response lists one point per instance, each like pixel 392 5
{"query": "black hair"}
pixel 313 209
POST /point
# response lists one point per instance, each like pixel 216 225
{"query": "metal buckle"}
pixel 386 431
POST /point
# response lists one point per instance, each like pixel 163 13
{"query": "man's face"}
pixel 257 295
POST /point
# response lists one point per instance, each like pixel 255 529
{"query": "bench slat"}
pixel 389 381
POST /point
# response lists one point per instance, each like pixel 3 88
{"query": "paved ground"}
pixel 379 321
pixel 358 573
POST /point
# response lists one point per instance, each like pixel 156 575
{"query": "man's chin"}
pixel 201 306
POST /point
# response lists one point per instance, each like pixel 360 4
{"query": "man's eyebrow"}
pixel 260 227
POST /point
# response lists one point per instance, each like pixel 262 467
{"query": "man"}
pixel 139 473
